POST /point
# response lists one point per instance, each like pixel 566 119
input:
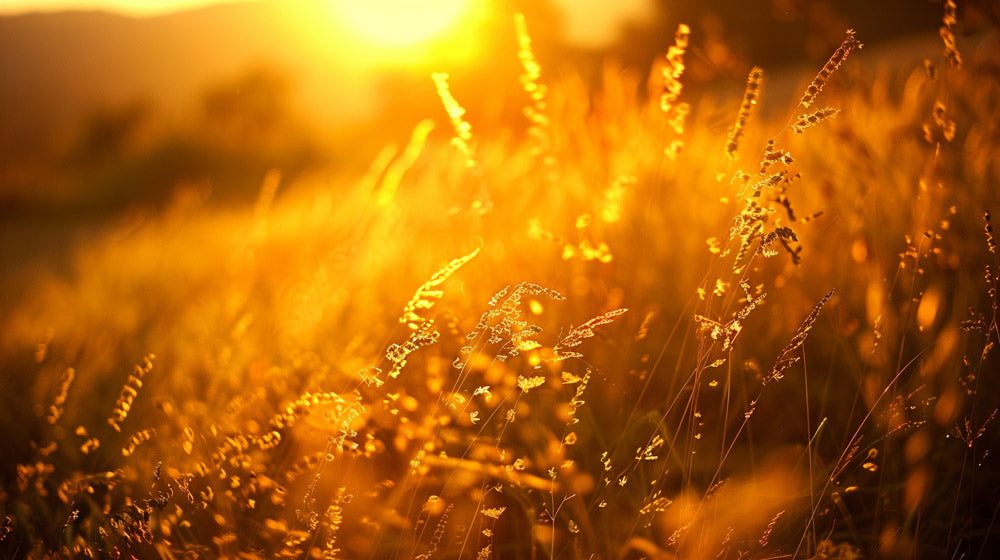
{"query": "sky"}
pixel 589 23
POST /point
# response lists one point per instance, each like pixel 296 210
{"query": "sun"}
pixel 398 23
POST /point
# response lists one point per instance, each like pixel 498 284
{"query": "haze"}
pixel 132 7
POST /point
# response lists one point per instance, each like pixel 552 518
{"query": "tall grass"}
pixel 611 330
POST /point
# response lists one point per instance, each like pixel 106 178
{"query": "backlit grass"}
pixel 613 329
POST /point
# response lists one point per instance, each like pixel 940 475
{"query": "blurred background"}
pixel 109 104
pixel 117 106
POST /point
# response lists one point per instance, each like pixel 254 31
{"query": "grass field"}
pixel 635 323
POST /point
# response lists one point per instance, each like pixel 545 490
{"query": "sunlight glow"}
pixel 394 23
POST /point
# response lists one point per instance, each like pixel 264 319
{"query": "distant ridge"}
pixel 57 66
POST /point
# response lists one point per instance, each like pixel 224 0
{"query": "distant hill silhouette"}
pixel 58 66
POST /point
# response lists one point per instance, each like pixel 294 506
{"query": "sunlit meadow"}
pixel 626 321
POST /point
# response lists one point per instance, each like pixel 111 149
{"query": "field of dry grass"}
pixel 633 324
